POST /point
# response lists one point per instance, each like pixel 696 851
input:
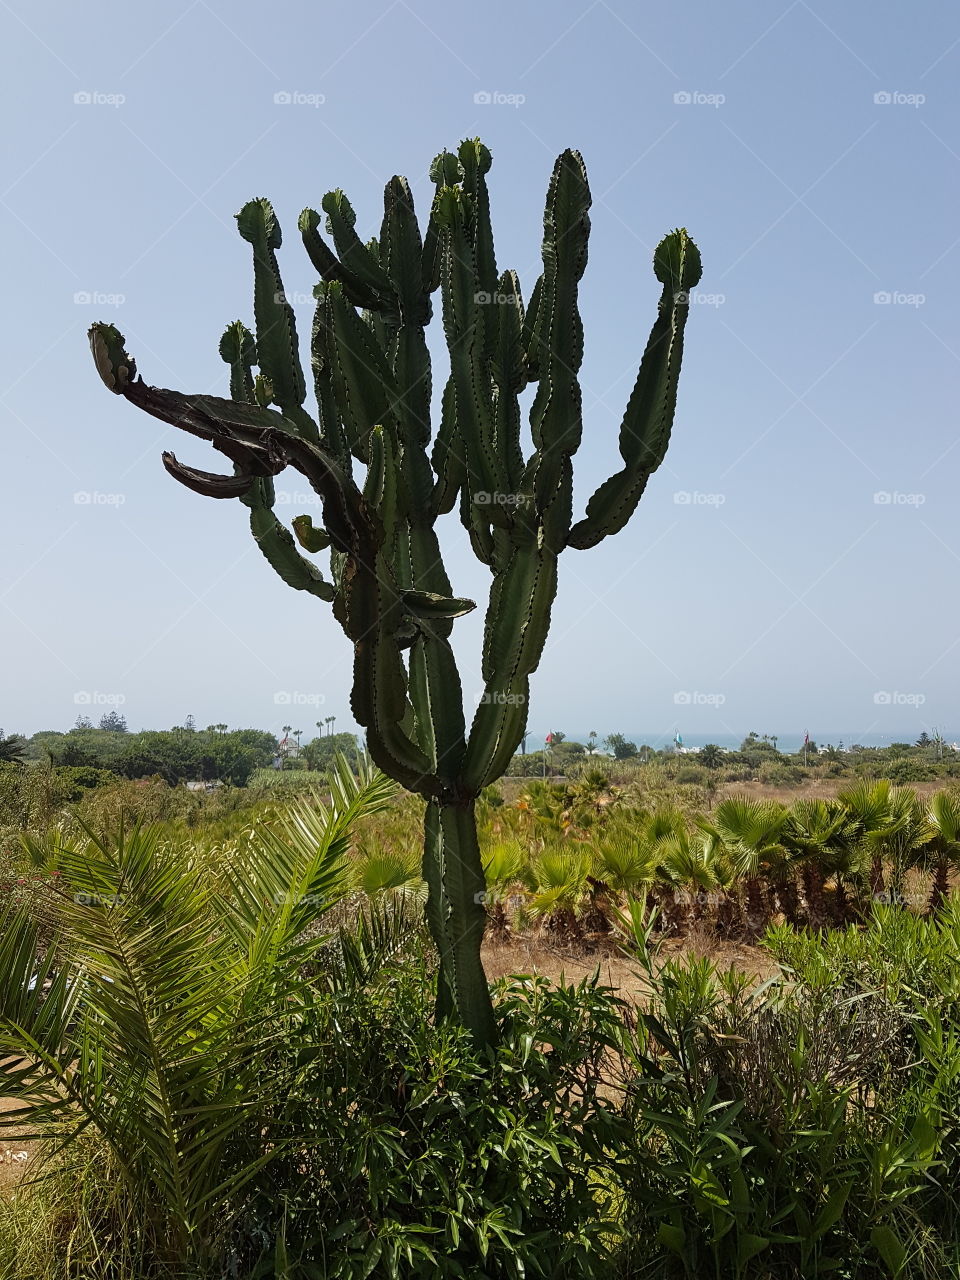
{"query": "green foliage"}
pixel 143 1021
pixel 177 755
pixel 320 752
pixel 803 1127
pixel 621 747
pixel 12 748
pixel 372 373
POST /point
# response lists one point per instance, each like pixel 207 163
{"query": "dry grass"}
pixel 812 789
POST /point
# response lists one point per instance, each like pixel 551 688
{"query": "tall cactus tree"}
pixel 372 377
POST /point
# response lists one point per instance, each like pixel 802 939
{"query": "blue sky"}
pixel 794 561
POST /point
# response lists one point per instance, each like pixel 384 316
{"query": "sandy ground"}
pixel 14 1153
pixel 529 955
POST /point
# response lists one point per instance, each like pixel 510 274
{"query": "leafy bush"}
pixel 806 1127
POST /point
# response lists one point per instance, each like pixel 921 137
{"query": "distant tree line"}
pixel 181 754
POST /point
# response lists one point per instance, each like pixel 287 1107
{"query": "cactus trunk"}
pixel 372 379
pixel 456 915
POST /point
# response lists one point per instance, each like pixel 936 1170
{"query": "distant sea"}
pixel 786 742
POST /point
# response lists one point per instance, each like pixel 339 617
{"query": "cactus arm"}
pixel 332 434
pixel 475 162
pixel 277 347
pixel 239 350
pixel 556 415
pixel 464 329
pixel 355 256
pixel 330 267
pixel 530 339
pixel 208 483
pixel 361 378
pixel 309 537
pixel 279 549
pixel 447 457
pixel 509 372
pixel 515 631
pixel 645 431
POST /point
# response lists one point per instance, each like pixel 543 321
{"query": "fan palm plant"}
pixel 504 868
pixel 560 876
pixel 750 832
pixel 150 1018
pixel 391 872
pixel 626 864
pixel 692 864
pixel 903 836
pixel 545 804
pixel 823 837
pixel 943 848
pixel 868 803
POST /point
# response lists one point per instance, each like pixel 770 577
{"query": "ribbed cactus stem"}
pixel 372 381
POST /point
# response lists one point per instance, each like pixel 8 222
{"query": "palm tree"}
pixel 823 837
pixel 943 847
pixel 868 803
pixel 147 1023
pixel 560 875
pixel 750 832
pixel 692 864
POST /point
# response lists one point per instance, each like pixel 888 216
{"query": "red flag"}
pixel 548 739
pixel 806 737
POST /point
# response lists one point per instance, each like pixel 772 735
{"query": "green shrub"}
pixel 805 1127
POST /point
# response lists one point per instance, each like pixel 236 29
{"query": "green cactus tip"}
pixel 115 367
pixel 676 261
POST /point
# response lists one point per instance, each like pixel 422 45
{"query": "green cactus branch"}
pixel 373 388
